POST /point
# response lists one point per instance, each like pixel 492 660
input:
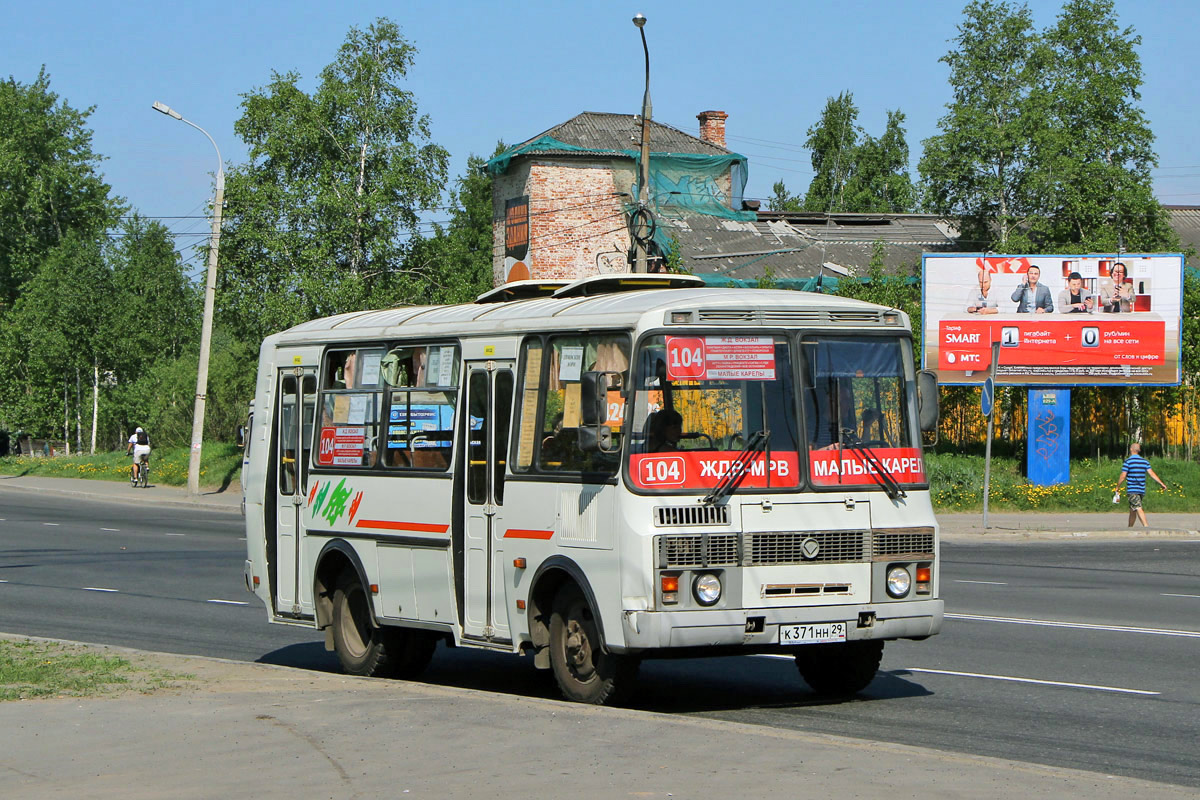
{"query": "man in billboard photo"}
pixel 1032 297
pixel 1074 299
pixel 1116 291
pixel 980 299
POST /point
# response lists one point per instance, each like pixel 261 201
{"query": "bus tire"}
pixel 362 648
pixel 409 651
pixel 585 670
pixel 839 670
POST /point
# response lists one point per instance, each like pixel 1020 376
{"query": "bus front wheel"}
pixel 585 671
pixel 838 670
pixel 362 648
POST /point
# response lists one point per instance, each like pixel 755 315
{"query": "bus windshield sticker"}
pixel 370 368
pixel 832 467
pixel 571 402
pixel 571 364
pixel 705 469
pixel 348 444
pixel 721 358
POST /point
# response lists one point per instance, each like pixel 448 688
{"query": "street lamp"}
pixel 644 180
pixel 210 289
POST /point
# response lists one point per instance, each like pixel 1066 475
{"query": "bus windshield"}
pixel 704 406
pixel 858 416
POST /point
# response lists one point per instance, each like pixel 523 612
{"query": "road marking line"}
pixel 986 583
pixel 1013 679
pixel 3 581
pixel 111 530
pixel 230 602
pixel 176 534
pixel 51 524
pixel 1050 623
pixel 98 589
pixel 1180 595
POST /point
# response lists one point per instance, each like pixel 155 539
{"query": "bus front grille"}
pixel 799 547
pixel 672 516
pixel 887 544
pixel 698 550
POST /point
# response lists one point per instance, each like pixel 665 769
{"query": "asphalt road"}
pixel 1075 654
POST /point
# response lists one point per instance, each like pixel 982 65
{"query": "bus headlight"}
pixel 707 589
pixel 898 581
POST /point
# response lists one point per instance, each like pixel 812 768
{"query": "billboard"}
pixel 1061 320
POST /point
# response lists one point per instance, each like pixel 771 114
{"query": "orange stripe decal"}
pixel 522 533
pixel 391 525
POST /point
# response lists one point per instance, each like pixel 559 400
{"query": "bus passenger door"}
pixel 489 409
pixel 293 436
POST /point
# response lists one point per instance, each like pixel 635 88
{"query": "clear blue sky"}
pixel 491 70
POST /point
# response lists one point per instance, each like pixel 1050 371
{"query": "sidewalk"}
pixel 121 492
pixel 244 730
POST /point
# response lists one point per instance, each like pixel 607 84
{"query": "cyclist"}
pixel 139 447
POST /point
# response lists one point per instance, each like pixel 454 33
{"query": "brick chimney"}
pixel 712 127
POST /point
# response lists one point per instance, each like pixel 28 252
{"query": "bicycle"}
pixel 141 476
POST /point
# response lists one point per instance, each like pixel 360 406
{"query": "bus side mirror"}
pixel 928 411
pixel 593 398
pixel 595 438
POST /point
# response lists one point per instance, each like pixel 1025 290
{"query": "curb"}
pixel 994 534
pixel 221 506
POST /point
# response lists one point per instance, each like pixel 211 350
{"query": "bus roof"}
pixel 712 306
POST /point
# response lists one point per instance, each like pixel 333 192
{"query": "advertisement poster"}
pixel 1096 320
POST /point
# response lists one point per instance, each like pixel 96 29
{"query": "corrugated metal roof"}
pixel 599 131
pixel 798 245
pixel 1185 221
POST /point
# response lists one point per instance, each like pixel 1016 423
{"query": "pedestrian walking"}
pixel 1133 474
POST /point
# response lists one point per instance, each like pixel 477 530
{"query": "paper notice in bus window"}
pixel 616 409
pixel 358 409
pixel 370 368
pixel 570 365
pixel 571 415
pixel 445 371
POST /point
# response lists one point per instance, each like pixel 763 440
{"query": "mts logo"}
pixel 970 358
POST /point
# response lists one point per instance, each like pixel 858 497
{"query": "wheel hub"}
pixel 579 650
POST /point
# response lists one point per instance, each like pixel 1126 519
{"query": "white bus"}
pixel 594 473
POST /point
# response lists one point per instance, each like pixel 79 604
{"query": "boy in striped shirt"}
pixel 1133 473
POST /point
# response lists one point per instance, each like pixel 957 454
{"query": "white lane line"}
pixel 1180 595
pixel 1013 679
pixel 1050 623
pixel 176 534
pixel 51 524
pixel 111 530
pixel 986 583
pixel 230 602
pixel 1 581
pixel 98 589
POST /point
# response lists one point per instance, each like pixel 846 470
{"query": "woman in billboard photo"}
pixel 1116 291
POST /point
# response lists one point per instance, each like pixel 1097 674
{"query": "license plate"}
pixel 818 633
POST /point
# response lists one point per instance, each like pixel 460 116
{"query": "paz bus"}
pixel 595 473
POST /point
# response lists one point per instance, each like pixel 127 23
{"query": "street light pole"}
pixel 644 180
pixel 210 289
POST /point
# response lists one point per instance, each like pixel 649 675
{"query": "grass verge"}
pixel 31 669
pixel 219 465
pixel 956 482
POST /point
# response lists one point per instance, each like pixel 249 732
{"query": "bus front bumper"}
pixel 759 627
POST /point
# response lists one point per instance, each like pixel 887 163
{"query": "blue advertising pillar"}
pixel 1048 459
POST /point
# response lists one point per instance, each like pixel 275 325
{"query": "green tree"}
pixel 49 180
pixel 895 289
pixel 879 181
pixel 780 200
pixel 1099 148
pixel 832 141
pixel 981 170
pixel 455 264
pixel 320 217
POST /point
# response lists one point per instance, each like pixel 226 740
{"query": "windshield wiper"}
pixel 739 468
pixel 851 441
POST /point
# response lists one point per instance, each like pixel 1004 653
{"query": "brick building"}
pixel 562 198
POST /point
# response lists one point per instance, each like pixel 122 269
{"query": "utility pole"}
pixel 210 290
pixel 640 216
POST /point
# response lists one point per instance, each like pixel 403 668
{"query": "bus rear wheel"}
pixel 839 670
pixel 584 669
pixel 362 648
